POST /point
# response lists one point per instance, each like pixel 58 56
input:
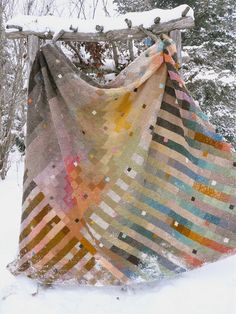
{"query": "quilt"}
pixel 124 182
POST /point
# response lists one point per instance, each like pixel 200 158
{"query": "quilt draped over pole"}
pixel 125 182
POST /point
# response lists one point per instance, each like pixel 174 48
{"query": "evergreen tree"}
pixel 210 75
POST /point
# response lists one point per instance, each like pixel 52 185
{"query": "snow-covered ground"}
pixel 209 290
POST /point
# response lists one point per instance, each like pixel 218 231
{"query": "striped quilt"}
pixel 123 183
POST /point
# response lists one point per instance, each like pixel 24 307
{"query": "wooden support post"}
pixel 115 54
pixel 33 44
pixel 131 50
pixel 176 36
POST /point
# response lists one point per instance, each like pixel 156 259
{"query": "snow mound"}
pixel 207 290
pixel 55 24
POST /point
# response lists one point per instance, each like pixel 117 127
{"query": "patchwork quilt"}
pixel 124 183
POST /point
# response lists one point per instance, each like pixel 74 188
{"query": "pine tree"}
pixel 211 47
pixel 210 75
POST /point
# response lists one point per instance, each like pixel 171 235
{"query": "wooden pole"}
pixel 33 45
pixel 176 36
pixel 115 54
pixel 111 35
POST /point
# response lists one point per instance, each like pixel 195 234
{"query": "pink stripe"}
pixel 175 77
pixel 183 96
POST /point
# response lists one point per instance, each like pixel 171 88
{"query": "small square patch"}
pixel 101 245
pixel 107 179
pixel 231 206
pixel 144 106
pixel 94 112
pixel 30 100
pixel 75 163
pixel 59 75
pixel 129 169
pixel 176 223
pixel 234 163
pixel 226 240
pixel 192 198
pixel 213 182
pixel 77 220
pixel 194 251
pixel 161 85
pixel 143 213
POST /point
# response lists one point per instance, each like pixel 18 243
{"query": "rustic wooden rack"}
pixel 172 28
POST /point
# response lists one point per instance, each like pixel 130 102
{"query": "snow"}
pixel 208 290
pixel 224 77
pixel 55 24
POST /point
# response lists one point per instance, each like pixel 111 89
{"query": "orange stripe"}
pixel 168 59
pixel 211 192
pixel 35 221
pixel 207 140
pixel 192 260
pixel 89 265
pixel 71 263
pixel 202 240
pixel 88 246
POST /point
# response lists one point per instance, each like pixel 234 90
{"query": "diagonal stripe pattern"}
pixel 126 182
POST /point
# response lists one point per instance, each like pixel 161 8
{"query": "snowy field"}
pixel 209 290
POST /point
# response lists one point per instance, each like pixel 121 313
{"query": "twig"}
pixel 157 20
pixel 20 28
pixel 74 29
pixel 185 12
pixel 148 33
pixel 58 36
pixel 128 22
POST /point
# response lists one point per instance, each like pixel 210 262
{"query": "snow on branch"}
pixel 124 27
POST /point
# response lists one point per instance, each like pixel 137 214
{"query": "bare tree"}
pixel 13 67
pixel 13 78
pixel 12 92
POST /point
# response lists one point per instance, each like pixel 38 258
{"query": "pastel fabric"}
pixel 123 183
